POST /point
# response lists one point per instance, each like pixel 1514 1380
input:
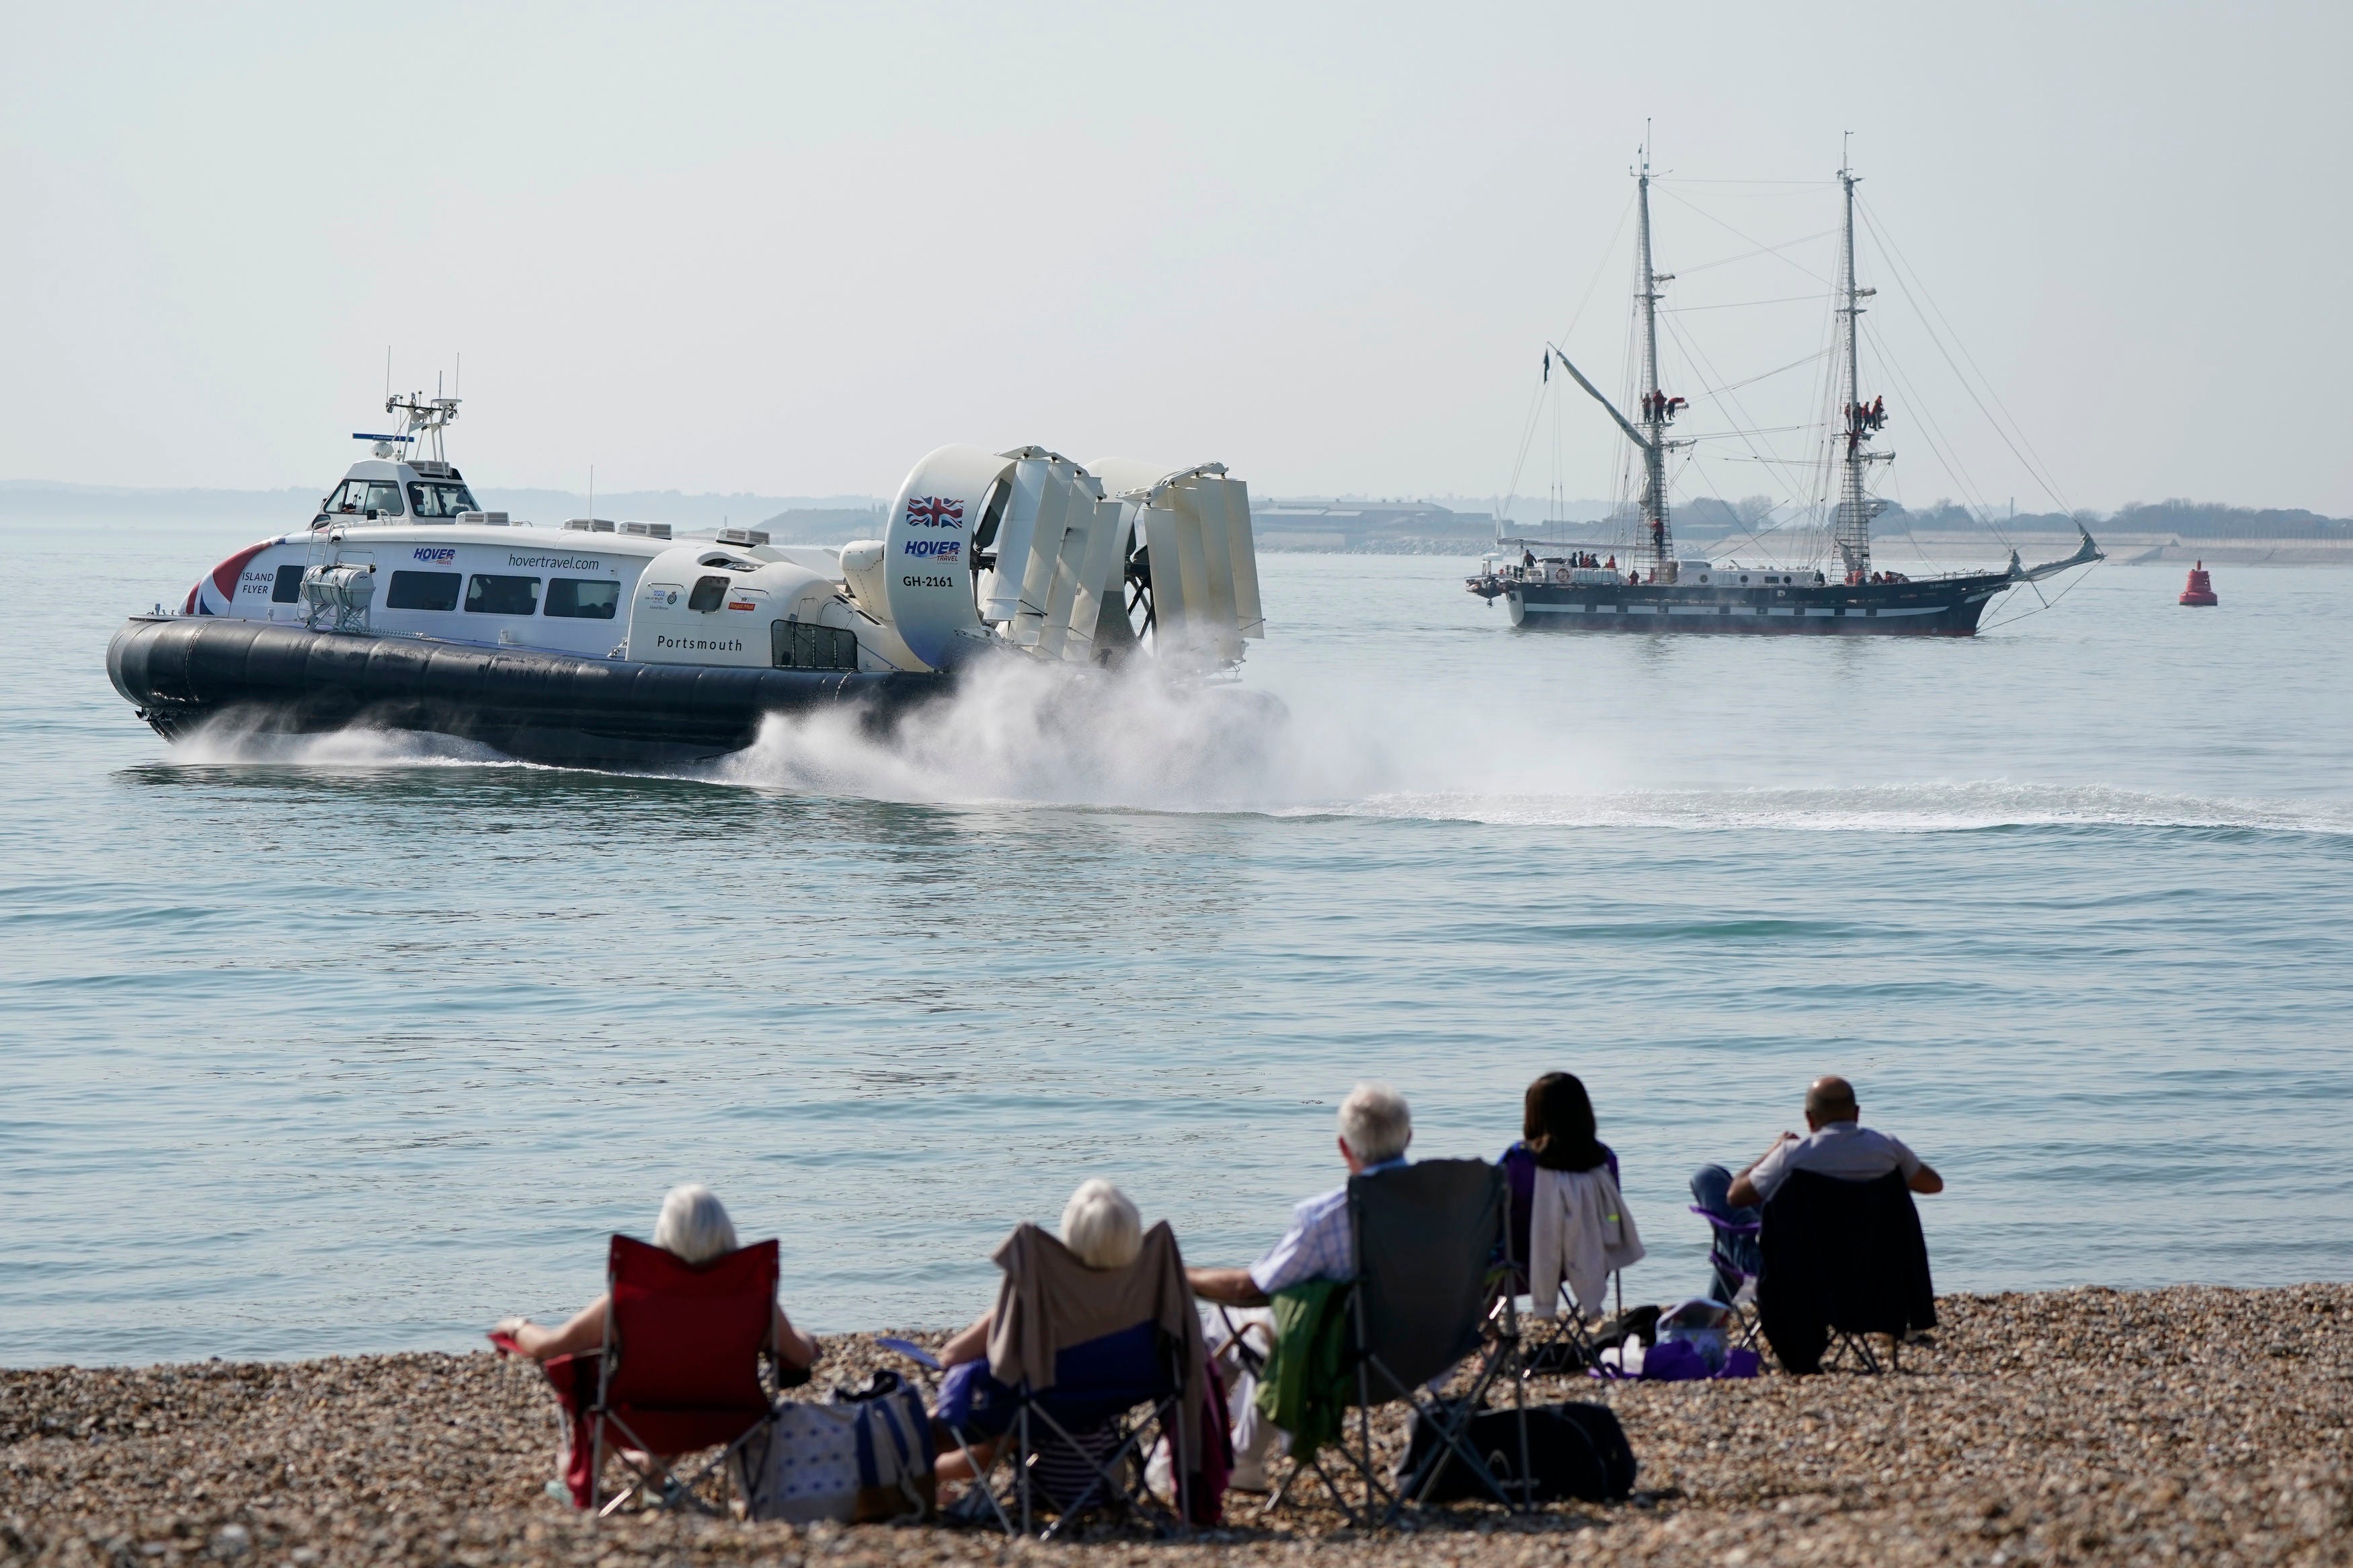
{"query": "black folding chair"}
pixel 1429 1295
pixel 1842 1260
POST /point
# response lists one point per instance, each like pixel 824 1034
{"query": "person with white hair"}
pixel 1375 1125
pixel 693 1228
pixel 1103 1229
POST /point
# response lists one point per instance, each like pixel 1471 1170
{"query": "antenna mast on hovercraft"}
pixel 422 420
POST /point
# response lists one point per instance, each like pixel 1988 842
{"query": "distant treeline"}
pixel 42 501
pixel 1304 523
pixel 825 524
pixel 1707 517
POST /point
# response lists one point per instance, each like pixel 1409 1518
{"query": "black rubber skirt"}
pixel 181 672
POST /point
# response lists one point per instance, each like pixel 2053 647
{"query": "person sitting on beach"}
pixel 1103 1229
pixel 693 1228
pixel 1570 1222
pixel 1375 1126
pixel 1836 1145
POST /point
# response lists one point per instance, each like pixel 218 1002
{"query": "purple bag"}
pixel 1674 1361
pixel 1679 1361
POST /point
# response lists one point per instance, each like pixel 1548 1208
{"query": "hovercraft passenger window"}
pixel 583 598
pixel 709 593
pixel 357 498
pixel 440 500
pixel 489 595
pixel 804 645
pixel 288 589
pixel 423 591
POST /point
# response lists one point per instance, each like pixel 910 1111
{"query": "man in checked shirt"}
pixel 1375 1125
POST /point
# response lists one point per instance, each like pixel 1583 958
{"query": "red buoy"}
pixel 2201 587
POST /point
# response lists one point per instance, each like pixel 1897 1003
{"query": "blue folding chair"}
pixel 1077 1445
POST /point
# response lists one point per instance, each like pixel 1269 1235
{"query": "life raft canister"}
pixel 2200 591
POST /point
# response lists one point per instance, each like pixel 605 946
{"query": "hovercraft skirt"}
pixel 181 672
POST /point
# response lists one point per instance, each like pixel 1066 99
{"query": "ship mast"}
pixel 1850 526
pixel 1655 409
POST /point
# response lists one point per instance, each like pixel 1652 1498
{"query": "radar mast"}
pixel 422 420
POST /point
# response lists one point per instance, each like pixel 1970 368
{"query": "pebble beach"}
pixel 2190 1425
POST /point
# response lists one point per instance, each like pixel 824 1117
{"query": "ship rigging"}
pixel 1838 591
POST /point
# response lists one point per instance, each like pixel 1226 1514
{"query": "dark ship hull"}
pixel 1942 606
pixel 181 672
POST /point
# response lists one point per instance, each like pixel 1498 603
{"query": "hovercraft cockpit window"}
pixel 583 598
pixel 489 595
pixel 709 593
pixel 432 499
pixel 357 498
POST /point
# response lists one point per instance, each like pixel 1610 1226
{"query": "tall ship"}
pixel 1643 585
pixel 403 603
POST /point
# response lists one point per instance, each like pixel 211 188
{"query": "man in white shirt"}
pixel 1836 1145
pixel 1375 1125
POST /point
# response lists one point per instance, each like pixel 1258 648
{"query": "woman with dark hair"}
pixel 1569 1224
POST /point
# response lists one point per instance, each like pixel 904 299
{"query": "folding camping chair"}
pixel 1428 1237
pixel 679 1373
pixel 1567 1343
pixel 1722 1249
pixel 1844 1260
pixel 1084 1429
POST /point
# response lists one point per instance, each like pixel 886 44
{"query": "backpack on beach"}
pixel 1574 1450
pixel 863 1457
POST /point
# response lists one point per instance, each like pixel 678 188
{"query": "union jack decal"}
pixel 934 511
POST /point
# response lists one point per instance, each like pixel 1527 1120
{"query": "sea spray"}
pixel 1019 731
pixel 240 738
pixel 1015 731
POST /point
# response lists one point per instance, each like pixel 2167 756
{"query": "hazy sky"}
pixel 788 249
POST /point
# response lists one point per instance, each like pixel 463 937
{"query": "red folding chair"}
pixel 679 1373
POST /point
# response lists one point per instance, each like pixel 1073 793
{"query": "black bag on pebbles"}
pixel 1574 1451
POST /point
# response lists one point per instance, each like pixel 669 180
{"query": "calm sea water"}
pixel 358 1044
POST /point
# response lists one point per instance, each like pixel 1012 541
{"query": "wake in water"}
pixel 1019 732
pixel 1868 808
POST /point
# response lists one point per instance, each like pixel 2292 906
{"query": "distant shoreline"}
pixel 2033 548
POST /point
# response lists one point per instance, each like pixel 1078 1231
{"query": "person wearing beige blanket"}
pixel 1579 1230
pixel 1104 1274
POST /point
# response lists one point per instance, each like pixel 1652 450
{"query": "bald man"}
pixel 1836 1145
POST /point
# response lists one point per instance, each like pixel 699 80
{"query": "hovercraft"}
pixel 406 606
